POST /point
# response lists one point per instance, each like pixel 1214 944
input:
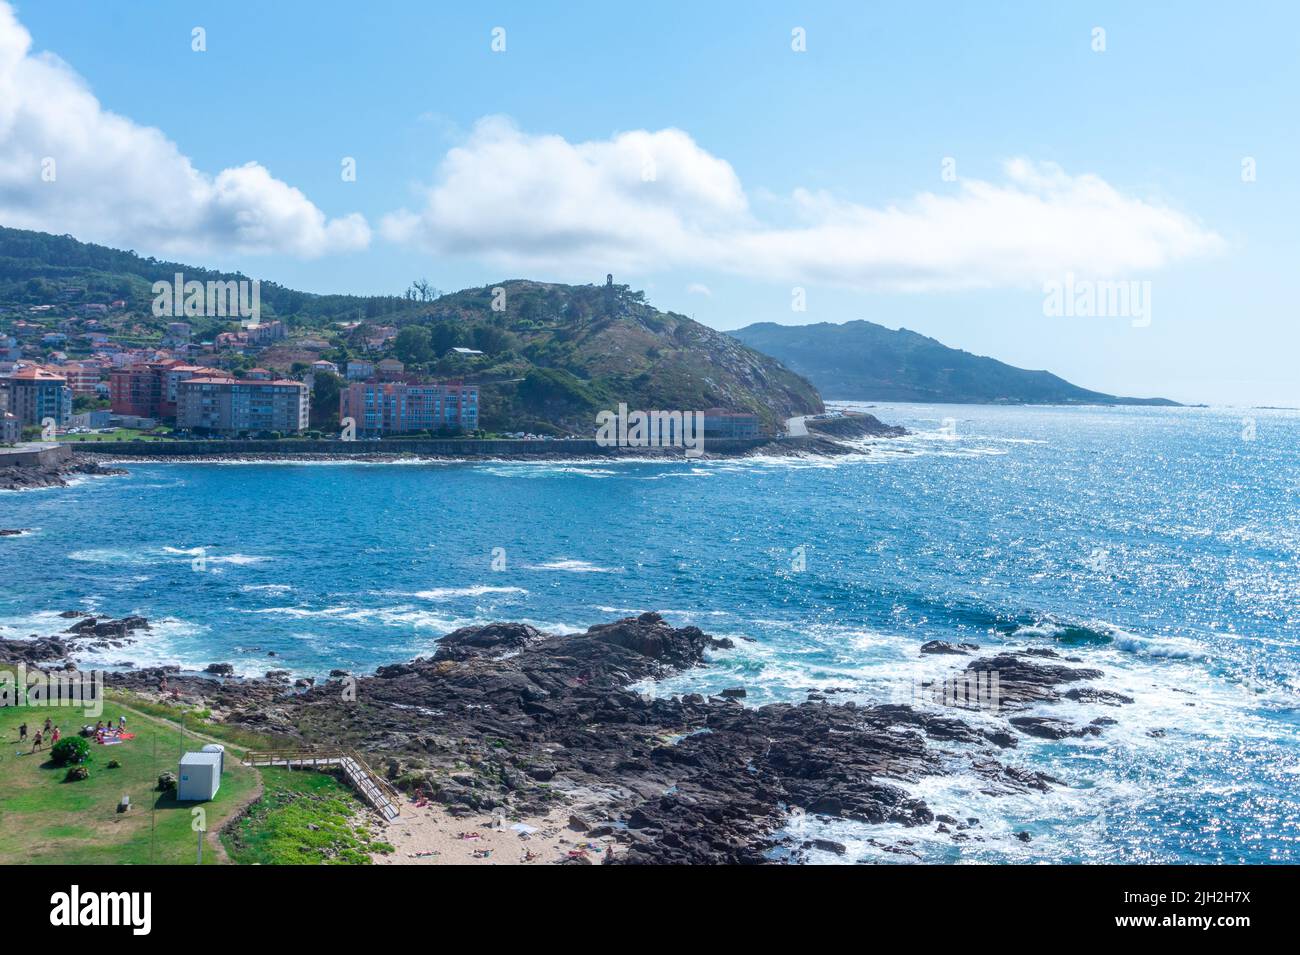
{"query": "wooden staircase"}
pixel 371 787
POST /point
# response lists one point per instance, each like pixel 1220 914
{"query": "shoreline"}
pixel 824 438
pixel 504 721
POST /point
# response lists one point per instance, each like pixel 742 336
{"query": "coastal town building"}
pixel 265 333
pixel 91 419
pixel 83 377
pixel 399 407
pixel 720 423
pixel 10 429
pixel 231 406
pixel 149 390
pixel 389 369
pixel 34 393
pixel 359 369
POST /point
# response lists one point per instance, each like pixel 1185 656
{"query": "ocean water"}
pixel 1159 545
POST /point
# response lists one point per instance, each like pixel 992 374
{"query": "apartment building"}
pixel 400 406
pixel 150 390
pixel 34 393
pixel 231 406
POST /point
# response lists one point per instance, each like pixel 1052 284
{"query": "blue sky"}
pixel 785 160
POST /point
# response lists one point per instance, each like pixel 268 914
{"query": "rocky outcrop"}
pixel 1022 681
pixel 943 646
pixel 851 426
pixel 491 640
pixel 507 717
pixel 25 478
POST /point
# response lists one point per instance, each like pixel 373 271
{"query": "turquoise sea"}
pixel 1159 545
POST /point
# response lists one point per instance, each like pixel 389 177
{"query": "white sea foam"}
pixel 399 616
pixel 573 567
pixel 451 593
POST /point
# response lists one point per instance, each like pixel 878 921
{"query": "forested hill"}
pixel 35 266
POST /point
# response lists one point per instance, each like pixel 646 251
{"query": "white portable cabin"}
pixel 200 777
pixel 217 748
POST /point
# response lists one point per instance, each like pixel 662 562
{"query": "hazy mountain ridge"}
pixel 863 361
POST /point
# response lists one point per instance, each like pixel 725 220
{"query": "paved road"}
pixel 795 427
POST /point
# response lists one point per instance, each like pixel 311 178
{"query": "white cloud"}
pixel 540 201
pixel 657 200
pixel 126 184
pixel 699 288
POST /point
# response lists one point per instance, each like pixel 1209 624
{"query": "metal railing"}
pixel 372 787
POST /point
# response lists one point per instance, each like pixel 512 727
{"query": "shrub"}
pixel 70 751
pixel 114 764
pixel 76 774
pixel 167 783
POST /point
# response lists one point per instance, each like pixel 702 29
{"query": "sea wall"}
pixel 35 455
pixel 433 447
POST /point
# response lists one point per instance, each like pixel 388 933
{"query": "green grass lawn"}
pixel 304 817
pixel 46 820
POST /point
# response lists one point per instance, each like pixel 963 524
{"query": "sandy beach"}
pixel 429 835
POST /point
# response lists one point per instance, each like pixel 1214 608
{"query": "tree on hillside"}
pixel 422 291
pixel 444 336
pixel 325 401
pixel 413 345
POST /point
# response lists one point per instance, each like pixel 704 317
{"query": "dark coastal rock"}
pixel 826 845
pixel 107 627
pixel 493 639
pixel 943 646
pixel 1021 681
pixel 733 693
pixel 39 651
pixel 27 477
pixel 1090 694
pixel 852 426
pixel 220 669
pixel 1048 728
